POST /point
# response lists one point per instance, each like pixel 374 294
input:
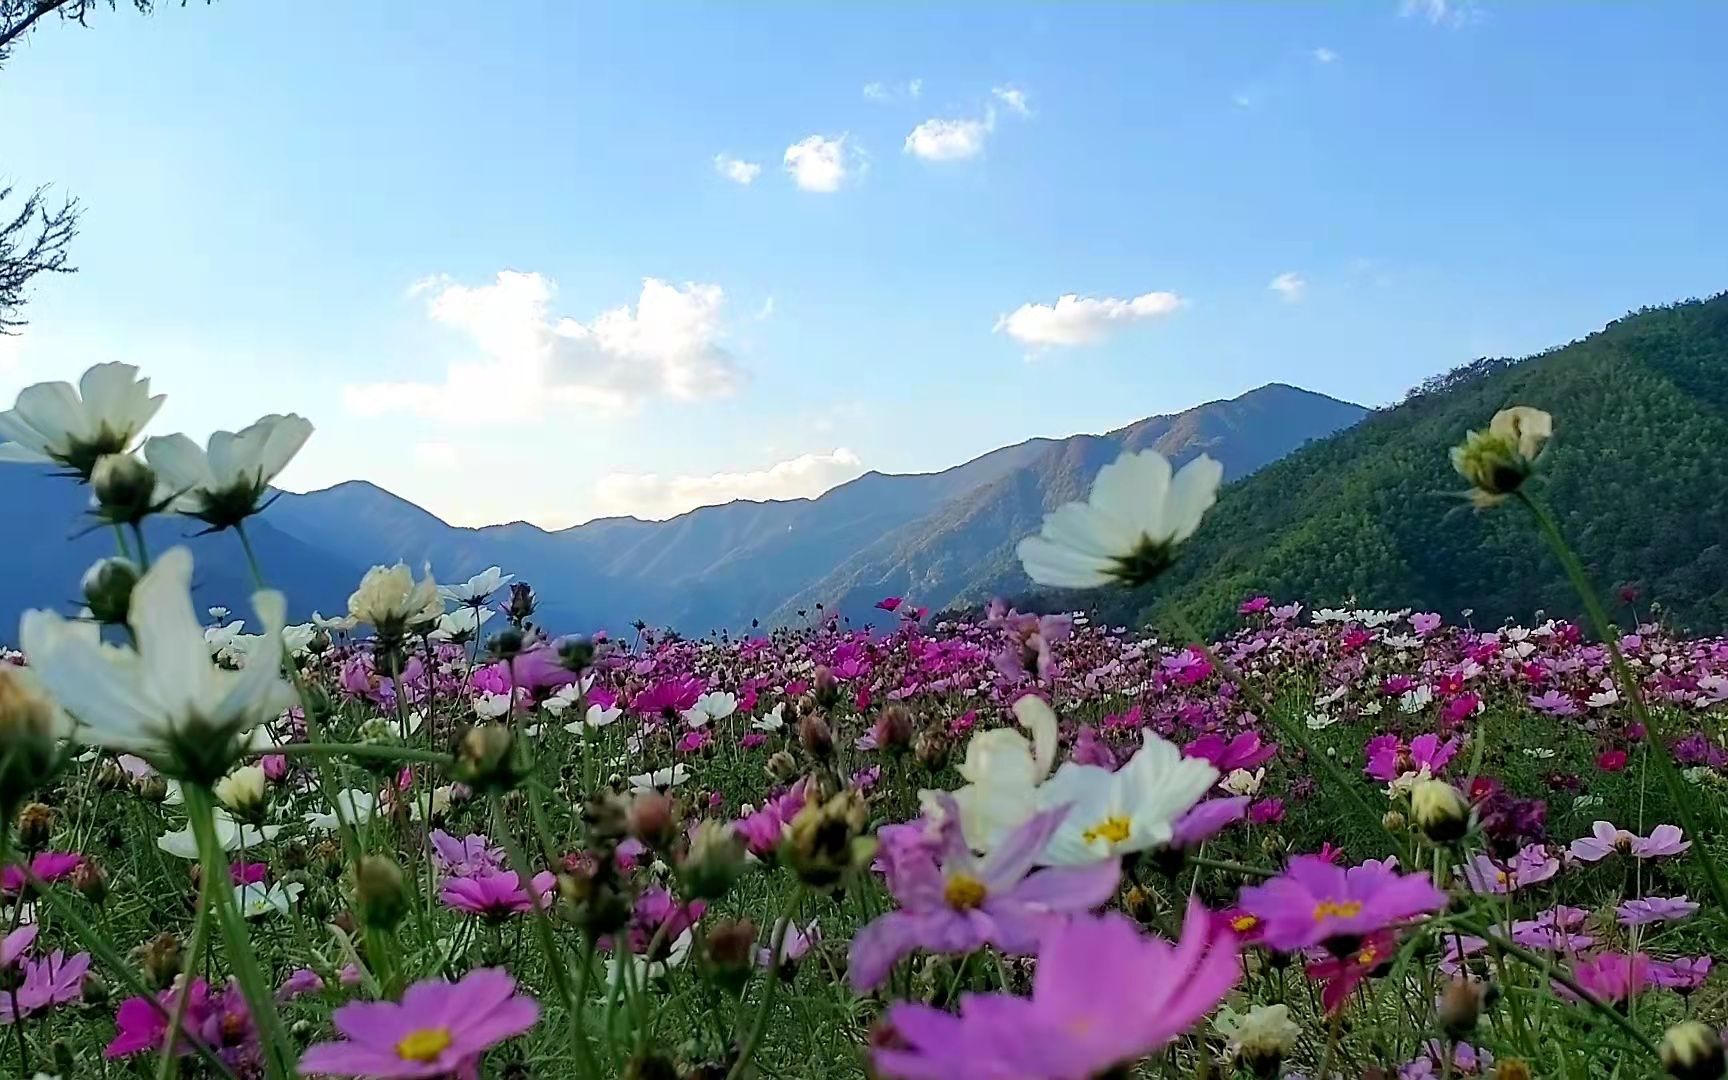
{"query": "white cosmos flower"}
pixel 773 720
pixel 227 483
pixel 476 589
pixel 492 706
pixel 356 805
pixel 340 624
pixel 1320 721
pixel 461 624
pixel 390 599
pixel 710 707
pixel 1243 782
pixel 52 423
pixel 644 969
pixel 220 614
pixel 598 717
pixel 164 700
pixel 1131 809
pixel 1125 532
pixel 1603 698
pixel 257 899
pixel 230 835
pixel 1002 772
pixel 660 778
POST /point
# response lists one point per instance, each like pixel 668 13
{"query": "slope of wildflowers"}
pixel 427 837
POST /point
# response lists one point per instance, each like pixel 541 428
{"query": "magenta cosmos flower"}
pixel 1103 996
pixel 51 980
pixel 438 1029
pixel 496 896
pixel 1604 840
pixel 1389 757
pixel 218 1019
pixel 951 901
pixel 1314 902
pixel 50 866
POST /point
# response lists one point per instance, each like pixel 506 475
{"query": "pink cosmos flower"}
pixel 889 603
pixel 1266 812
pixel 1654 909
pixel 793 948
pixel 300 983
pixel 50 866
pixel 12 946
pixel 1206 820
pixel 472 856
pixel 48 981
pixel 439 1029
pixel 1245 751
pixel 669 697
pixel 1532 865
pixel 1103 996
pixel 1389 757
pixel 1254 605
pixel 1605 840
pixel 658 921
pixel 1425 622
pixel 1338 975
pixel 497 895
pixel 1554 703
pixel 1314 902
pixel 951 901
pixel 1683 973
pixel 218 1019
pixel 245 873
pixel 1610 977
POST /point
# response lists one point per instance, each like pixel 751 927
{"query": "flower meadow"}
pixel 427 837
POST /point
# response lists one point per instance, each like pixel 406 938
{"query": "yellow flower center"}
pixel 1244 923
pixel 424 1044
pixel 1332 909
pixel 1367 956
pixel 964 892
pixel 1112 830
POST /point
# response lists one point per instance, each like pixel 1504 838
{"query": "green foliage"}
pixel 1373 515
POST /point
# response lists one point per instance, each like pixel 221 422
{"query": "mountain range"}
pixel 939 538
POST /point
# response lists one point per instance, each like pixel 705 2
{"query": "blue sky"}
pixel 498 260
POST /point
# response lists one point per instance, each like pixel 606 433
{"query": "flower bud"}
pixel 160 959
pixel 1440 811
pixel 35 826
pixel 715 860
pixel 107 588
pixel 125 489
pixel 1512 1069
pixel 893 728
pixel 781 766
pixel 653 819
pixel 1394 821
pixel 152 788
pixel 380 892
pixel 1460 1007
pixel 816 737
pixel 506 644
pixel 1693 1051
pixel 91 881
pixel 1499 460
pixel 732 951
pixel 242 793
pixel 576 653
pixel 486 760
pixel 825 688
pixel 522 603
pixel 29 721
pixel 825 841
pixel 930 749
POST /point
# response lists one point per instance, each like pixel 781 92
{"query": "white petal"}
pixel 179 462
pixel 1089 531
pixel 1132 490
pixel 1192 493
pixel 176 659
pixel 1058 567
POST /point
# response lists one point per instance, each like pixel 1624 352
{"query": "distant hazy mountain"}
pixel 936 537
pixel 47 543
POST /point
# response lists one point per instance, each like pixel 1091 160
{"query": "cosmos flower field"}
pixel 428 837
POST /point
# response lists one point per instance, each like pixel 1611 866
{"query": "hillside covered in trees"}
pixel 1637 475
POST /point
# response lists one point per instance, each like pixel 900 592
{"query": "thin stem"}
pixel 1232 867
pixel 359 750
pixel 760 1024
pixel 1654 732
pixel 548 944
pixel 169 1064
pixel 200 809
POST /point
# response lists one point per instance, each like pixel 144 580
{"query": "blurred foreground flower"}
pixel 54 424
pixel 164 701
pixel 1499 460
pixel 1127 531
pixel 1103 997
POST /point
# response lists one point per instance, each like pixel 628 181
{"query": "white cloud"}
pixel 1243 99
pixel 1452 13
pixel 668 345
pixel 821 162
pixel 950 140
pixel 736 170
pixel 1082 320
pixel 649 495
pixel 1014 98
pixel 911 90
pixel 1290 285
pixel 1324 55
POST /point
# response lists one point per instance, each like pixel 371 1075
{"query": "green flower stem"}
pixel 555 964
pixel 99 945
pixel 775 947
pixel 1231 867
pixel 1293 730
pixel 1565 979
pixel 1655 733
pixel 169 1063
pixel 200 808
